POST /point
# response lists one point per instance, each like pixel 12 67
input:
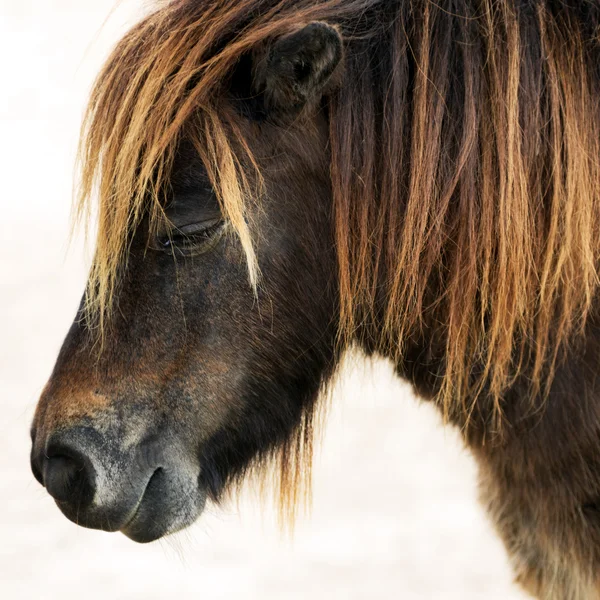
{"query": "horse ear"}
pixel 298 67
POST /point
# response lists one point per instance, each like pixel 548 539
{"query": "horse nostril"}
pixel 37 473
pixel 63 476
pixel 68 475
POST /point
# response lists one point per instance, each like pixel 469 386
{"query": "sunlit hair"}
pixel 464 140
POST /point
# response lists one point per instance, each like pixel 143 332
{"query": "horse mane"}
pixel 465 148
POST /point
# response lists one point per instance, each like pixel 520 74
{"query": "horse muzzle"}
pixel 146 489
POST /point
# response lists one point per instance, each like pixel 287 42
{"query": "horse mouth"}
pixel 164 508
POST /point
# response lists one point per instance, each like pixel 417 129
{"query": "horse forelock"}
pixel 465 169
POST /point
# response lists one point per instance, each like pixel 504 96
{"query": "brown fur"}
pixel 504 222
pixel 464 143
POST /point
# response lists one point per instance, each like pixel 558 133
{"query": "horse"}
pixel 278 181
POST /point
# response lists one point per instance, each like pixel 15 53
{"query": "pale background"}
pixel 395 512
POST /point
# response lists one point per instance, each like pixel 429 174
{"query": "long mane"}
pixel 465 144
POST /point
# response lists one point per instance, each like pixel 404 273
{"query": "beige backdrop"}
pixel 395 512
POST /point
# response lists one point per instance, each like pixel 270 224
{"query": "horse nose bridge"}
pixel 118 422
pixel 65 404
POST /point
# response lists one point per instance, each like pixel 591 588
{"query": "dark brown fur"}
pixel 420 179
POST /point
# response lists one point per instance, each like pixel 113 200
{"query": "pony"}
pixel 277 181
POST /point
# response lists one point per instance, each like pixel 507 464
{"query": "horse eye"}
pixel 188 239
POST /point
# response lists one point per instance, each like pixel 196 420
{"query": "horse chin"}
pixel 169 504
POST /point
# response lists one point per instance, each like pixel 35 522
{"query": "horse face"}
pixel 197 374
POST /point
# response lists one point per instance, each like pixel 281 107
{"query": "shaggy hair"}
pixel 465 145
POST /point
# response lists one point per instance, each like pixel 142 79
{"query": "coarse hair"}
pixel 465 147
